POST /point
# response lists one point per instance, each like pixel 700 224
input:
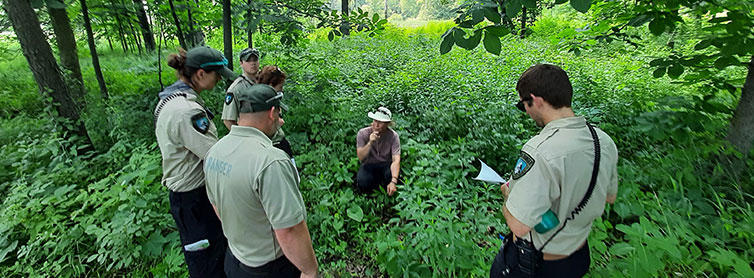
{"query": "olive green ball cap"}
pixel 259 97
pixel 208 59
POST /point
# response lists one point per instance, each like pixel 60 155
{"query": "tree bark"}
pixel 121 33
pixel 93 50
pixel 386 9
pixel 43 66
pixel 227 34
pixel 249 32
pixel 146 29
pixel 69 57
pixel 178 31
pixel 523 22
pixel 741 130
pixel 344 26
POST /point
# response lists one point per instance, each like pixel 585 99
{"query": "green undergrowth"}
pixel 679 212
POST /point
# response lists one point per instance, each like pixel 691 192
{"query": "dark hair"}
pixel 178 62
pixel 271 75
pixel 549 82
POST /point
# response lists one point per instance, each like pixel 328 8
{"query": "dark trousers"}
pixel 574 266
pixel 196 221
pixel 373 175
pixel 285 146
pixel 280 267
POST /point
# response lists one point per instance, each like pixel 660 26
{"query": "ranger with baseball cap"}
pixel 249 58
pixel 378 148
pixel 254 190
pixel 185 132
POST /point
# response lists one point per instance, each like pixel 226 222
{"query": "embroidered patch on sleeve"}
pixel 200 122
pixel 228 98
pixel 523 165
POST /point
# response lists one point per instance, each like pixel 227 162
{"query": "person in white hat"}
pixel 378 148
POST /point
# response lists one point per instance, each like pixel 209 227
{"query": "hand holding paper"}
pixel 489 175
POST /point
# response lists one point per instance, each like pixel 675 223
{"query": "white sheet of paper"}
pixel 489 175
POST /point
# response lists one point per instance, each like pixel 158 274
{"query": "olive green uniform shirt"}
pixel 553 172
pixel 184 133
pixel 253 185
pixel 231 107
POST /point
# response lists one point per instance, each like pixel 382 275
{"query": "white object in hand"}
pixel 489 175
pixel 196 246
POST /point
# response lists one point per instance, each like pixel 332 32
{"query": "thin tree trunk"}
pixel 227 34
pixel 192 41
pixel 741 130
pixel 93 50
pixel 146 29
pixel 523 22
pixel 249 32
pixel 178 31
pixel 386 9
pixel 43 66
pixel 109 41
pixel 159 54
pixel 123 41
pixel 344 25
pixel 134 35
pixel 69 57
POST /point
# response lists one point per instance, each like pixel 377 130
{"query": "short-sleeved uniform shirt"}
pixel 553 172
pixel 231 106
pixel 253 185
pixel 382 149
pixel 185 132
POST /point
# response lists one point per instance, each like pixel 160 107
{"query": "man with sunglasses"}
pixel 249 58
pixel 254 190
pixel 562 180
pixel 378 148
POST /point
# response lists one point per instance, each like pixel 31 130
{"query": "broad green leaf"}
pixel 621 249
pixel 725 61
pixel 458 37
pixel 477 16
pixel 492 15
pixel 37 4
pixel 675 70
pixel 558 2
pixel 355 213
pixel 497 31
pixel 640 20
pixel 7 249
pixel 491 43
pixel 447 42
pixel 703 44
pixel 530 4
pixel 659 72
pixel 375 17
pixel 512 9
pixel 330 35
pixel 658 62
pixel 474 40
pixel 657 26
pixel 581 5
pixel 55 4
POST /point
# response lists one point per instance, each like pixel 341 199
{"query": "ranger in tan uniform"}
pixel 254 190
pixel 556 188
pixel 185 132
pixel 249 61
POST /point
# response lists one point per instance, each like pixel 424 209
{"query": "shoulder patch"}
pixel 228 98
pixel 200 122
pixel 523 165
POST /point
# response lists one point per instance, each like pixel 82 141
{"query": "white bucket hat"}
pixel 382 114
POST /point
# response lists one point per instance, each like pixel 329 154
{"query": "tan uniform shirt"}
pixel 232 107
pixel 553 172
pixel 184 133
pixel 382 149
pixel 254 187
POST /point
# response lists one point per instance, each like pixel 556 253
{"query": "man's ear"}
pixel 271 113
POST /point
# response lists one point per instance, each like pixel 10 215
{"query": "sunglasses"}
pixel 520 104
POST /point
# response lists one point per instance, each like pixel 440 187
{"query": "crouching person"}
pixel 379 151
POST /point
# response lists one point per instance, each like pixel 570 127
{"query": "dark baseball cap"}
pixel 246 54
pixel 259 97
pixel 206 58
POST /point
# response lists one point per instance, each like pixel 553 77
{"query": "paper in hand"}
pixel 489 175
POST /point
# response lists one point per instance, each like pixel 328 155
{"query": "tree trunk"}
pixel 109 41
pixel 741 130
pixel 93 50
pixel 386 9
pixel 178 31
pixel 43 66
pixel 146 29
pixel 191 36
pixel 344 26
pixel 227 34
pixel 135 35
pixel 248 29
pixel 523 22
pixel 123 41
pixel 69 57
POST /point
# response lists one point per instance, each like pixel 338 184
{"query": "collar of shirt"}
pixel 569 122
pixel 250 132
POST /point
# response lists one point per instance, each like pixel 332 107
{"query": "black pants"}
pixel 196 221
pixel 280 267
pixel 574 266
pixel 285 146
pixel 373 175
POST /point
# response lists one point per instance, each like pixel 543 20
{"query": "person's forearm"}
pixel 395 169
pixel 297 247
pixel 362 152
pixel 518 228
